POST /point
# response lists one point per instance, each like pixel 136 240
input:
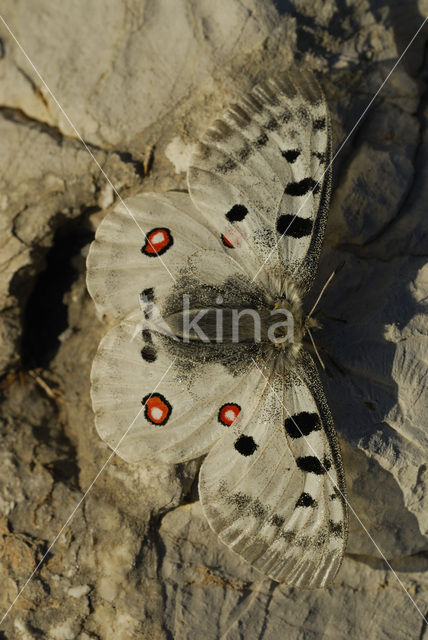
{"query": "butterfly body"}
pixel 208 358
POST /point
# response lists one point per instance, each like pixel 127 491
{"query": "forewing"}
pixel 275 496
pixel 260 176
pixel 143 244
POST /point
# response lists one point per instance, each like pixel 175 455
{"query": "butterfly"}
pixel 244 240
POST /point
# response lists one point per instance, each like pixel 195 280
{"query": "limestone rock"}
pixel 140 82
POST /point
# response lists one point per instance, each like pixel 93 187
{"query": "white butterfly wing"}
pixel 170 409
pixel 267 491
pixel 274 491
pixel 178 398
pixel 255 176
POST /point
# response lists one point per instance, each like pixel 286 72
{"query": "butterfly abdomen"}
pixel 236 325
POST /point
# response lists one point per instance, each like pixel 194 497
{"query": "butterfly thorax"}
pixel 272 323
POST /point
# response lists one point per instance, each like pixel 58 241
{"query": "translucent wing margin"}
pixel 261 176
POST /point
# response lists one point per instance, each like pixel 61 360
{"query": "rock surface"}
pixel 140 81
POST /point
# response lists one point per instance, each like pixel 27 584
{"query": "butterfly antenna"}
pixel 315 349
pixel 338 268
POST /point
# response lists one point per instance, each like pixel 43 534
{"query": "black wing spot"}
pixel 301 187
pixel 257 509
pixel 245 445
pixel 148 353
pixel 311 464
pixel 149 294
pixel 303 115
pixel 261 140
pixel 276 520
pixel 319 123
pixel 237 213
pixel 244 152
pixel 272 124
pixel 288 536
pixel 291 155
pixel 302 424
pixel 294 226
pixel 322 157
pixel 147 336
pixel 239 500
pixel 306 500
pixel 285 116
pixel 227 166
pixel 335 528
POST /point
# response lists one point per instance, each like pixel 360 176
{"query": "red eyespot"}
pixel 157 242
pixel 231 238
pixel 156 408
pixel 228 413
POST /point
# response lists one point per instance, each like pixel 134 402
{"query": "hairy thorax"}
pixel 271 324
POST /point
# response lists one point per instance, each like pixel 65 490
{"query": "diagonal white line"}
pixel 344 497
pixel 343 144
pixel 71 516
pixel 82 140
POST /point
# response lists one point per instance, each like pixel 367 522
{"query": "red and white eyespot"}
pixel 231 238
pixel 157 409
pixel 228 413
pixel 157 242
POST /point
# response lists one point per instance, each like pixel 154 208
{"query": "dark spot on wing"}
pixel 321 538
pixel 245 445
pixel 237 213
pixel 302 424
pixel 276 520
pixel 302 187
pixel 306 500
pixel 303 542
pixel 257 509
pixel 239 500
pixel 158 241
pixel 335 528
pixel 227 166
pixel 244 152
pixel 291 155
pixel 289 536
pixel 157 409
pixel 320 155
pixel 149 294
pixel 148 353
pixel 285 116
pixel 261 140
pixel 311 464
pixel 319 123
pixel 272 124
pixel 147 336
pixel 294 226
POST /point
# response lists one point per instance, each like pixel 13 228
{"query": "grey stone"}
pixel 140 82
